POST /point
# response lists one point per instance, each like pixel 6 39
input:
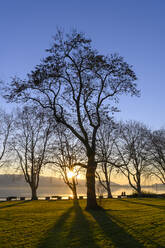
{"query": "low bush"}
pixel 145 195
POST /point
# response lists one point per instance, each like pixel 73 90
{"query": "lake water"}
pixel 65 192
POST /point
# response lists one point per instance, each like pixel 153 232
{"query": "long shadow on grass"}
pixel 118 236
pixel 80 235
pixel 54 236
pixel 145 237
pixel 74 234
pixel 144 204
pixel 14 204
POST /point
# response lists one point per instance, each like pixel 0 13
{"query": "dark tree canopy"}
pixel 79 87
pixel 76 83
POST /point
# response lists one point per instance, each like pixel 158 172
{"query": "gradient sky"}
pixel 133 28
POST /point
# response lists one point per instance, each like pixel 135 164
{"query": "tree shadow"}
pixel 144 204
pixel 80 233
pixel 54 237
pixel 14 204
pixel 76 235
pixel 114 233
pixel 146 238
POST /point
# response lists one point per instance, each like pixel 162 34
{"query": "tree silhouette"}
pixel 30 142
pixel 106 154
pixel 5 130
pixel 78 86
pixel 66 157
pixel 133 152
pixel 157 153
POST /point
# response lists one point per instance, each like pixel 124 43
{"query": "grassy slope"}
pixel 42 224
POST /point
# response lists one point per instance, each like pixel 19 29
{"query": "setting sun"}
pixel 70 174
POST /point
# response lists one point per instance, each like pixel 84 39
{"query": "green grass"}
pixel 44 224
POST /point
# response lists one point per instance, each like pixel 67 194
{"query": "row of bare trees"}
pixel 133 150
pixel 32 143
pixel 79 88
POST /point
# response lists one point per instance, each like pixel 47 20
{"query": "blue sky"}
pixel 133 28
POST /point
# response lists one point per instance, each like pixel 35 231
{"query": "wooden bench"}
pixel 47 198
pixel 57 197
pixel 22 198
pixel 9 198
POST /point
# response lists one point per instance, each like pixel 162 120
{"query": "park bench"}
pixel 9 198
pixel 22 198
pixel 47 198
pixel 57 197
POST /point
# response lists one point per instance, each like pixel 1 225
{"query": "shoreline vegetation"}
pixel 123 223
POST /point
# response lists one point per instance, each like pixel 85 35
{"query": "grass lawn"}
pixel 125 223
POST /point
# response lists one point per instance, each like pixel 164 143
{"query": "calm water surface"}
pixel 65 192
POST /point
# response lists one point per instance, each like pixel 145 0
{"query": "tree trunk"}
pixel 90 177
pixel 34 193
pixel 139 191
pixel 108 186
pixel 74 190
pixel 109 190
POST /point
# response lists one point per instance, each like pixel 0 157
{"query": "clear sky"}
pixel 133 28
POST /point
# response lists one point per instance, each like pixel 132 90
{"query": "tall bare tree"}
pixel 30 142
pixel 67 158
pixel 133 152
pixel 157 151
pixel 78 86
pixel 5 129
pixel 106 154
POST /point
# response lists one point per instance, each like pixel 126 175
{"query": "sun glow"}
pixel 70 174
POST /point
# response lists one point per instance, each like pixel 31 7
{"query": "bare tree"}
pixel 106 154
pixel 157 151
pixel 5 129
pixel 133 152
pixel 67 159
pixel 30 143
pixel 77 86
